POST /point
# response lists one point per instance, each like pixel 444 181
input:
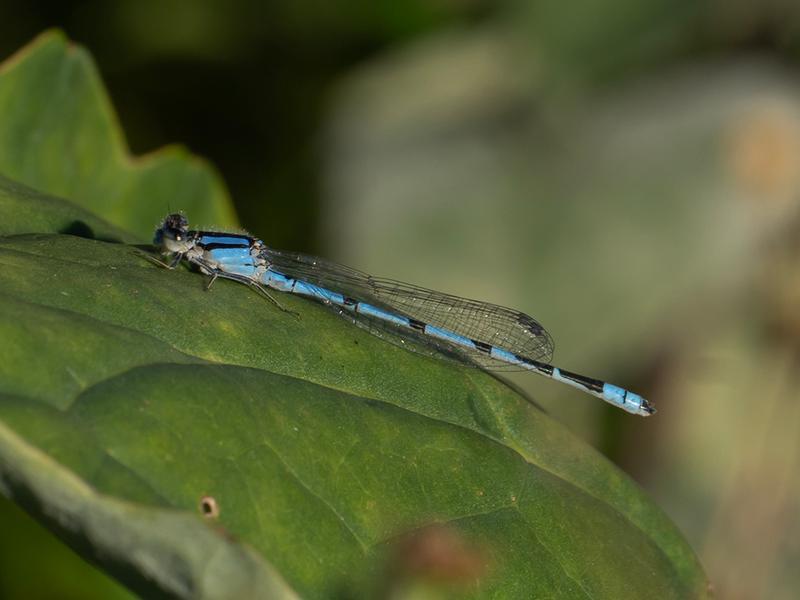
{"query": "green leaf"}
pixel 28 549
pixel 318 442
pixel 138 543
pixel 59 135
pixel 133 401
pixel 25 210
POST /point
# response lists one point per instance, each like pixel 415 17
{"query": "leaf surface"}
pixel 318 442
pixel 59 134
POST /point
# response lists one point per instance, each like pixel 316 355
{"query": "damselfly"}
pixel 477 333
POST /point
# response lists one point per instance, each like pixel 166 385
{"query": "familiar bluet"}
pixel 478 333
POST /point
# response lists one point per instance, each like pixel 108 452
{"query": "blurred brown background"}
pixel 626 171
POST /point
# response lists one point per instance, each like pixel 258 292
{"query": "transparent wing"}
pixel 488 323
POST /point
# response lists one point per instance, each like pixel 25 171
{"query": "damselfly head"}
pixel 172 236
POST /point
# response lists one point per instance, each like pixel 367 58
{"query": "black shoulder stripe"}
pixel 220 234
pixel 218 246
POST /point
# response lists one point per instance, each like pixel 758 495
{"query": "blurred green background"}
pixel 626 171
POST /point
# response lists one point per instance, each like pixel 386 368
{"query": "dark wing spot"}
pixel 528 323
